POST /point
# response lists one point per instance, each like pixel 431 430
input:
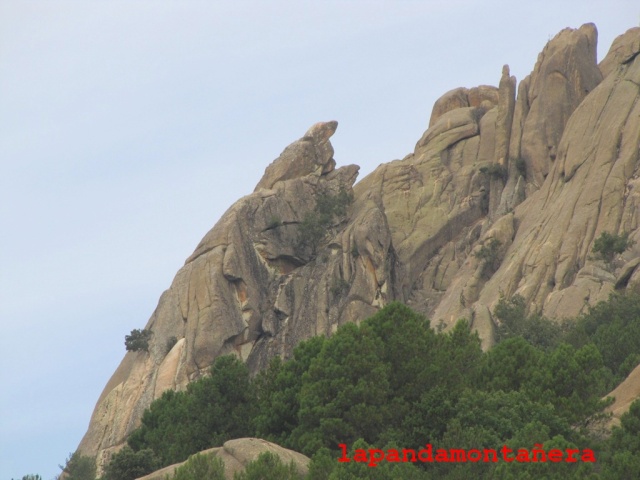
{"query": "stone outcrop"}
pixel 534 179
pixel 589 190
pixel 237 454
pixel 244 290
pixel 311 155
pixel 624 49
pixel 462 98
pixel 624 395
pixel 564 75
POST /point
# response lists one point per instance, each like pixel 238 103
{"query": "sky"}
pixel 127 128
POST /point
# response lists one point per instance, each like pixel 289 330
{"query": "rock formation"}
pixel 237 454
pixel 533 180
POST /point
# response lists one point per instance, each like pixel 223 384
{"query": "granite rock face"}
pixel 564 75
pixel 588 188
pixel 538 176
pixel 311 155
pixel 246 290
pixel 623 50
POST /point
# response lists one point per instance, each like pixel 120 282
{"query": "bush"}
pixel 171 341
pixel 278 390
pixel 322 464
pixel 625 446
pixel 495 170
pixel 521 166
pixel 129 465
pixel 339 286
pixel 211 411
pixel 274 222
pixel 489 255
pixel 607 245
pixel 614 327
pixel 334 470
pixel 137 340
pixel 79 467
pixel 268 466
pixel 316 223
pixel 201 467
pixel 312 231
pixel 535 329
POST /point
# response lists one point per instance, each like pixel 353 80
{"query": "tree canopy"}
pixel 393 382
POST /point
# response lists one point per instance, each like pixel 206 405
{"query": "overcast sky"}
pixel 128 127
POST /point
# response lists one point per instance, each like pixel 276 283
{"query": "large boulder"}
pixel 237 454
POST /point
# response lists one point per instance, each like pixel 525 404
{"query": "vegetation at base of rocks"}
pixel 489 255
pixel 513 321
pixel 324 466
pixel 31 477
pixel 495 170
pixel 394 382
pixel 315 224
pixel 614 328
pixel 608 245
pixel 137 340
pixel 128 464
pixel 200 467
pixel 269 466
pixel 79 467
pixel 209 412
pixel 623 456
pixel 171 341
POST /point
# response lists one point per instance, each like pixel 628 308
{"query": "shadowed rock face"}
pixel 543 175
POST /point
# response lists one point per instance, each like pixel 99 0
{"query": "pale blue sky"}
pixel 128 127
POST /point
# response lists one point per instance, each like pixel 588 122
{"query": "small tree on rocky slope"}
pixel 79 467
pixel 608 245
pixel 315 224
pixel 137 340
